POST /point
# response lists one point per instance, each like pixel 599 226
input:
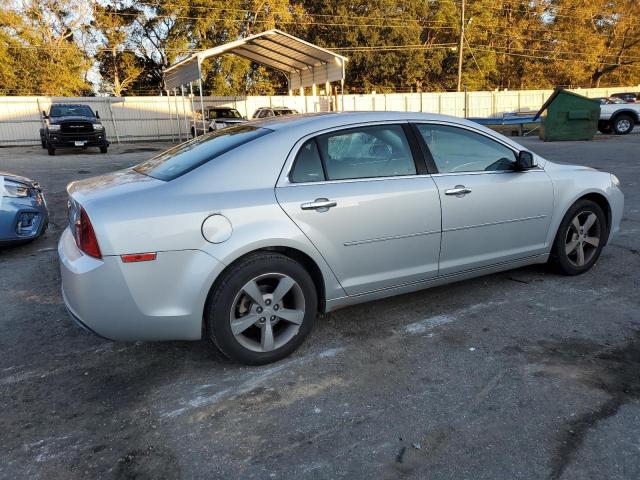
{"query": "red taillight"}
pixel 138 257
pixel 86 237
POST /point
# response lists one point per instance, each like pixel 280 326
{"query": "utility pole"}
pixel 461 45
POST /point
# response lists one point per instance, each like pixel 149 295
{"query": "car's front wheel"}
pixel 580 238
pixel 262 309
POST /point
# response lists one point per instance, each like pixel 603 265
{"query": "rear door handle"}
pixel 458 191
pixel 319 204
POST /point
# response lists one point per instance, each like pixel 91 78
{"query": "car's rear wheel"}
pixel 623 124
pixel 580 238
pixel 262 309
pixel 604 127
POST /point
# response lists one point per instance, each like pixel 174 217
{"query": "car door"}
pixel 490 212
pixel 367 206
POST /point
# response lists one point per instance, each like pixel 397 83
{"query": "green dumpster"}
pixel 569 117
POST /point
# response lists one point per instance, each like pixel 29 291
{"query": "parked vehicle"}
pixel 216 118
pixel 629 97
pixel 618 116
pixel 71 125
pixel 23 210
pixel 245 234
pixel 265 112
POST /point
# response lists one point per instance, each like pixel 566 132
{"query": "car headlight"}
pixel 54 127
pixel 615 180
pixel 15 190
pixel 98 127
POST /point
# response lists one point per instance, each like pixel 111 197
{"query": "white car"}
pixel 618 116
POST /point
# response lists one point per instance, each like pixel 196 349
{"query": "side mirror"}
pixel 525 161
pixel 44 114
pixel 97 114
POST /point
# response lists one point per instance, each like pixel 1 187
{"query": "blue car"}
pixel 23 210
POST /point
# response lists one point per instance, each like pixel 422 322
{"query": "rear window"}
pixel 190 155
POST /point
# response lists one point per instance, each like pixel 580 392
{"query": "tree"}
pixel 40 48
pixel 119 68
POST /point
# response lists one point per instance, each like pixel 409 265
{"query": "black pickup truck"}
pixel 72 125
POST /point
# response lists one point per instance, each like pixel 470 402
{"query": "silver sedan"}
pixel 245 234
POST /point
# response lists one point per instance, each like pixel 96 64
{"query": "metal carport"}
pixel 305 65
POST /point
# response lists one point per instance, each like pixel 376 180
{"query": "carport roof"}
pixel 304 63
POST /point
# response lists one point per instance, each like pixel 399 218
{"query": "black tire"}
pixel 103 149
pixel 623 124
pixel 564 262
pixel 604 127
pixel 51 150
pixel 43 143
pixel 223 302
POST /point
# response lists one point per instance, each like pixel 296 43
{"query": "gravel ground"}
pixel 523 374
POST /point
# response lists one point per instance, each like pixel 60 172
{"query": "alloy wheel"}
pixel 623 125
pixel 582 238
pixel 267 312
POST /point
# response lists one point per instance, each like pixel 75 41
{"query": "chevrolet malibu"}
pixel 244 235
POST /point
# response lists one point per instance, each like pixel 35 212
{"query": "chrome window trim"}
pixel 283 179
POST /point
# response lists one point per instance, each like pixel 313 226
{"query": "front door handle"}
pixel 319 204
pixel 458 191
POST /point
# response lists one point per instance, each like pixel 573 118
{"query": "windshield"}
pixel 224 113
pixel 70 110
pixel 190 155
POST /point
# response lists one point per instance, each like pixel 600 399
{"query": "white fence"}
pixel 169 118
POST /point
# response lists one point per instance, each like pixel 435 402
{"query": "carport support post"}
pixel 170 118
pixel 193 110
pixel 175 98
pixel 184 113
pixel 342 92
pixel 204 127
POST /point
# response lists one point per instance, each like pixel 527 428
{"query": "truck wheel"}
pixel 103 149
pixel 51 150
pixel 43 143
pixel 623 124
pixel 604 127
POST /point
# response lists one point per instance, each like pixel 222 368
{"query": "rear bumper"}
pixel 162 299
